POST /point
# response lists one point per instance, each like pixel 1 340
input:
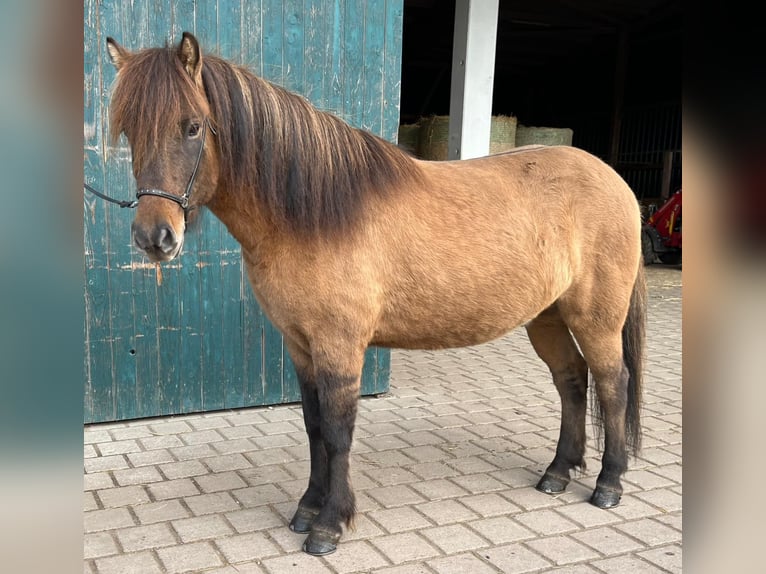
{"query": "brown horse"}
pixel 349 242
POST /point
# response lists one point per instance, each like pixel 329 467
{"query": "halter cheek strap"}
pixel 182 200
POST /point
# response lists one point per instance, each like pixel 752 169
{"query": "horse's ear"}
pixel 117 53
pixel 190 56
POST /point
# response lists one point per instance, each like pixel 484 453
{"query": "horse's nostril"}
pixel 160 239
pixel 165 239
pixel 141 238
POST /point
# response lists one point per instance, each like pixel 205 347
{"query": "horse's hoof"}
pixel 321 543
pixel 605 497
pixel 552 484
pixel 302 520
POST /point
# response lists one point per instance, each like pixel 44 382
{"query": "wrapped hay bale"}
pixel 408 137
pixel 528 135
pixel 434 136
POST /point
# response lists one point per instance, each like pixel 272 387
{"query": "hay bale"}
pixel 408 137
pixel 434 136
pixel 528 135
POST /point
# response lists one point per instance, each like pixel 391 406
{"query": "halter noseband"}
pixel 182 200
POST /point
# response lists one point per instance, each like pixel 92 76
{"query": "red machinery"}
pixel 661 233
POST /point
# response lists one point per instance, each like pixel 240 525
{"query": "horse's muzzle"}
pixel 159 243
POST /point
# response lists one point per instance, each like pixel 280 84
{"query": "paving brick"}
pixel 271 474
pixel 607 541
pixel 170 427
pixel 490 504
pixel 135 476
pixel 123 496
pixel 454 538
pixel 219 482
pixel 117 447
pixel 173 489
pixel 98 544
pixel 513 559
pixel 404 547
pixel 160 511
pixel 89 501
pixel 247 547
pixel 461 564
pixel 429 470
pixel 228 462
pixel 650 532
pixel 105 463
pixel 150 457
pixel 358 556
pixel 663 498
pixel 400 519
pixel 296 563
pixel 501 530
pixel 200 437
pixel 107 519
pixel 438 489
pixel 211 503
pixel 252 519
pixel 389 476
pixel 97 480
pixel 545 522
pixel 162 441
pixel 146 537
pixel 192 452
pixel 193 557
pixel 398 495
pixel 627 564
pixel 183 469
pixel 667 557
pixel 201 528
pixel 259 495
pixel 142 562
pixel 446 511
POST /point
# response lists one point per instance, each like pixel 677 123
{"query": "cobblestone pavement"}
pixel 444 468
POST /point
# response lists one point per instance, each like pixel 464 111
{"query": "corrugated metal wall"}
pixel 199 341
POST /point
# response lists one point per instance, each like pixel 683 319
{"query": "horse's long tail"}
pixel 633 338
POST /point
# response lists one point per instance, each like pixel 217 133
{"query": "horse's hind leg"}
pixel 552 341
pixel 599 335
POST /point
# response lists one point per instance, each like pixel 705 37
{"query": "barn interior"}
pixel 608 70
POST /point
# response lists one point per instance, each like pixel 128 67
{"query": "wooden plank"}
pixel 182 19
pixel 192 320
pixel 293 45
pixel 252 34
pixel 273 50
pixel 314 52
pixel 374 66
pixel 392 69
pixel 335 64
pixel 229 26
pixel 353 62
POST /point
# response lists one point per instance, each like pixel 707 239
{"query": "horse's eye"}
pixel 193 130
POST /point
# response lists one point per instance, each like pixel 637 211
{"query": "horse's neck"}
pixel 244 220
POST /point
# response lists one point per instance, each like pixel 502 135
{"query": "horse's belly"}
pixel 441 328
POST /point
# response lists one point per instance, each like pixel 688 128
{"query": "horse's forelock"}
pixel 150 98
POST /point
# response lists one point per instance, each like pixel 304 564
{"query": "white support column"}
pixel 473 74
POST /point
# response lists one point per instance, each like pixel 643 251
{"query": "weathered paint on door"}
pixel 198 341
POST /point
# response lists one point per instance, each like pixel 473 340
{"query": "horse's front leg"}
pixel 338 395
pixel 330 395
pixel 313 499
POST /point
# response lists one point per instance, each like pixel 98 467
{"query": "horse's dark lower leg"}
pixel 338 397
pixel 313 499
pixel 570 450
pixel 553 343
pixel 612 389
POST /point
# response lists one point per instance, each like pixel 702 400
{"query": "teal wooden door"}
pixel 196 340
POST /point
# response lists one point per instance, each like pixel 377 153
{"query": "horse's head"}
pixel 159 104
